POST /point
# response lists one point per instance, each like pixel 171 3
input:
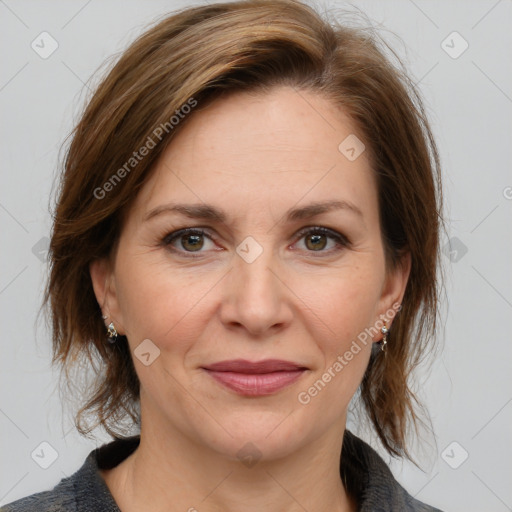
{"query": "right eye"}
pixel 189 240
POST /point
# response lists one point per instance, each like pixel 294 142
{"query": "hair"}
pixel 195 56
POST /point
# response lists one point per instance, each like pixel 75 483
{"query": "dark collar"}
pixel 364 473
pixel 368 478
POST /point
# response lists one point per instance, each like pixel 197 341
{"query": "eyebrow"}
pixel 214 214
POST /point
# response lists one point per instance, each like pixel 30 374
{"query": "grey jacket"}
pixel 365 474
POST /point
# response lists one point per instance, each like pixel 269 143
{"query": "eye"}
pixel 188 240
pixel 316 239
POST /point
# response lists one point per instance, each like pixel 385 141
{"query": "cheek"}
pixel 339 311
pixel 341 305
pixel 160 303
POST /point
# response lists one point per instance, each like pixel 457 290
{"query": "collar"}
pixel 364 473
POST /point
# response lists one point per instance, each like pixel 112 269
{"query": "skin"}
pixel 255 156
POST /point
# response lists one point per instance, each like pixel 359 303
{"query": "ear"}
pixel 103 283
pixel 394 285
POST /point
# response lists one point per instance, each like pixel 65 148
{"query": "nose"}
pixel 256 297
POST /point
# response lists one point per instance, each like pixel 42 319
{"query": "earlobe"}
pixel 396 283
pixel 104 289
pixel 98 270
pixel 404 269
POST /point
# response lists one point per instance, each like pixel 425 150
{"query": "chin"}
pixel 256 435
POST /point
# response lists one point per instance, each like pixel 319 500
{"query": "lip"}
pixel 258 378
pixel 254 367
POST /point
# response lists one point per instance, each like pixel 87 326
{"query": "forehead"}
pixel 249 151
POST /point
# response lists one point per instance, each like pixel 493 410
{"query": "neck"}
pixel 171 472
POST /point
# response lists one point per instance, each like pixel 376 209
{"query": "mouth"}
pixel 255 378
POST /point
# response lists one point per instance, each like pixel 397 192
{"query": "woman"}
pixel 246 235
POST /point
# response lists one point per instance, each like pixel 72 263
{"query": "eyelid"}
pixel 176 234
pixel 340 239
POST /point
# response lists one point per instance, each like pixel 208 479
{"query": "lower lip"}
pixel 256 384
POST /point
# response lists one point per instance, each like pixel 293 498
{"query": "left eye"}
pixel 316 239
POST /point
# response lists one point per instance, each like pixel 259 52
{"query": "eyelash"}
pixel 341 240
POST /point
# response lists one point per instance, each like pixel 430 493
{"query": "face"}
pixel 260 275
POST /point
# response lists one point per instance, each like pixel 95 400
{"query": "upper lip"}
pixel 244 366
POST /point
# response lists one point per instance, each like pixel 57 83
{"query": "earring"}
pixel 384 330
pixel 111 333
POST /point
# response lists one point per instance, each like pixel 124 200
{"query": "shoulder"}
pixel 369 478
pixel 85 490
pixel 59 499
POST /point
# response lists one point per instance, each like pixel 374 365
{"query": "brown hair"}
pixel 194 56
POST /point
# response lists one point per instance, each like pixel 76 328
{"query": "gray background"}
pixel 469 99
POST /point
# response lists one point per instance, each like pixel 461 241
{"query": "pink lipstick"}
pixel 255 378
